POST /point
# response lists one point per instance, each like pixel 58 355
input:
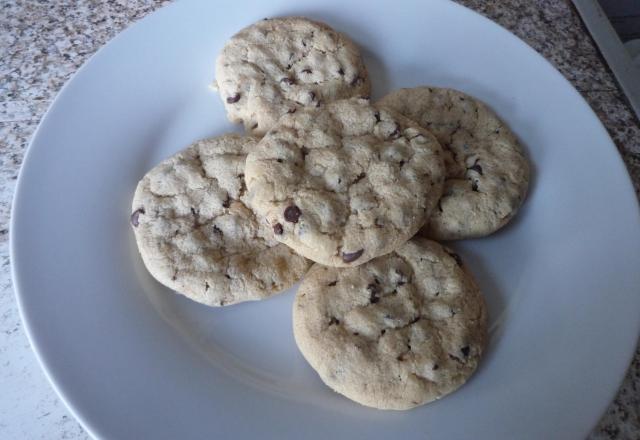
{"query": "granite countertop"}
pixel 42 43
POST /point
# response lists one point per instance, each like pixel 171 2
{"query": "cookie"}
pixel 345 183
pixel 400 331
pixel 196 234
pixel 487 171
pixel 277 66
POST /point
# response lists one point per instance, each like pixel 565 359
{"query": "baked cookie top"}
pixel 487 171
pixel 279 65
pixel 394 333
pixel 345 183
pixel 197 236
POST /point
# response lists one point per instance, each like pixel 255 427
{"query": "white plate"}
pixel 133 360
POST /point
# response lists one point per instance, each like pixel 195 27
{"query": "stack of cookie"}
pixel 386 316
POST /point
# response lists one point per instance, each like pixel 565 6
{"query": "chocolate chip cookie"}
pixel 394 333
pixel 196 234
pixel 345 183
pixel 277 66
pixel 487 171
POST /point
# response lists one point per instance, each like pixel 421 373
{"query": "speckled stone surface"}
pixel 43 42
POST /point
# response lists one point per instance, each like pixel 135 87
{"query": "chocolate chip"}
pixel 304 150
pixel 400 274
pixel 254 126
pixel 278 229
pixel 356 333
pixel 382 332
pixel 233 99
pixel 292 213
pixel 414 320
pixel 135 217
pixel 435 367
pixel 465 351
pixel 292 110
pixel 279 160
pixel 475 167
pixel 217 230
pixel 312 96
pixel 341 71
pixel 334 321
pixel 374 293
pixel 439 205
pixel 377 116
pixel 349 257
pixel 474 186
pixel 227 202
pixel 288 81
pixel 307 71
pixel 401 163
pixel 360 177
pixel 333 283
pixel 226 275
pixel 206 286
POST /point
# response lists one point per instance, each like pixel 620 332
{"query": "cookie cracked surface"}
pixel 487 172
pixel 397 332
pixel 197 236
pixel 277 66
pixel 345 183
